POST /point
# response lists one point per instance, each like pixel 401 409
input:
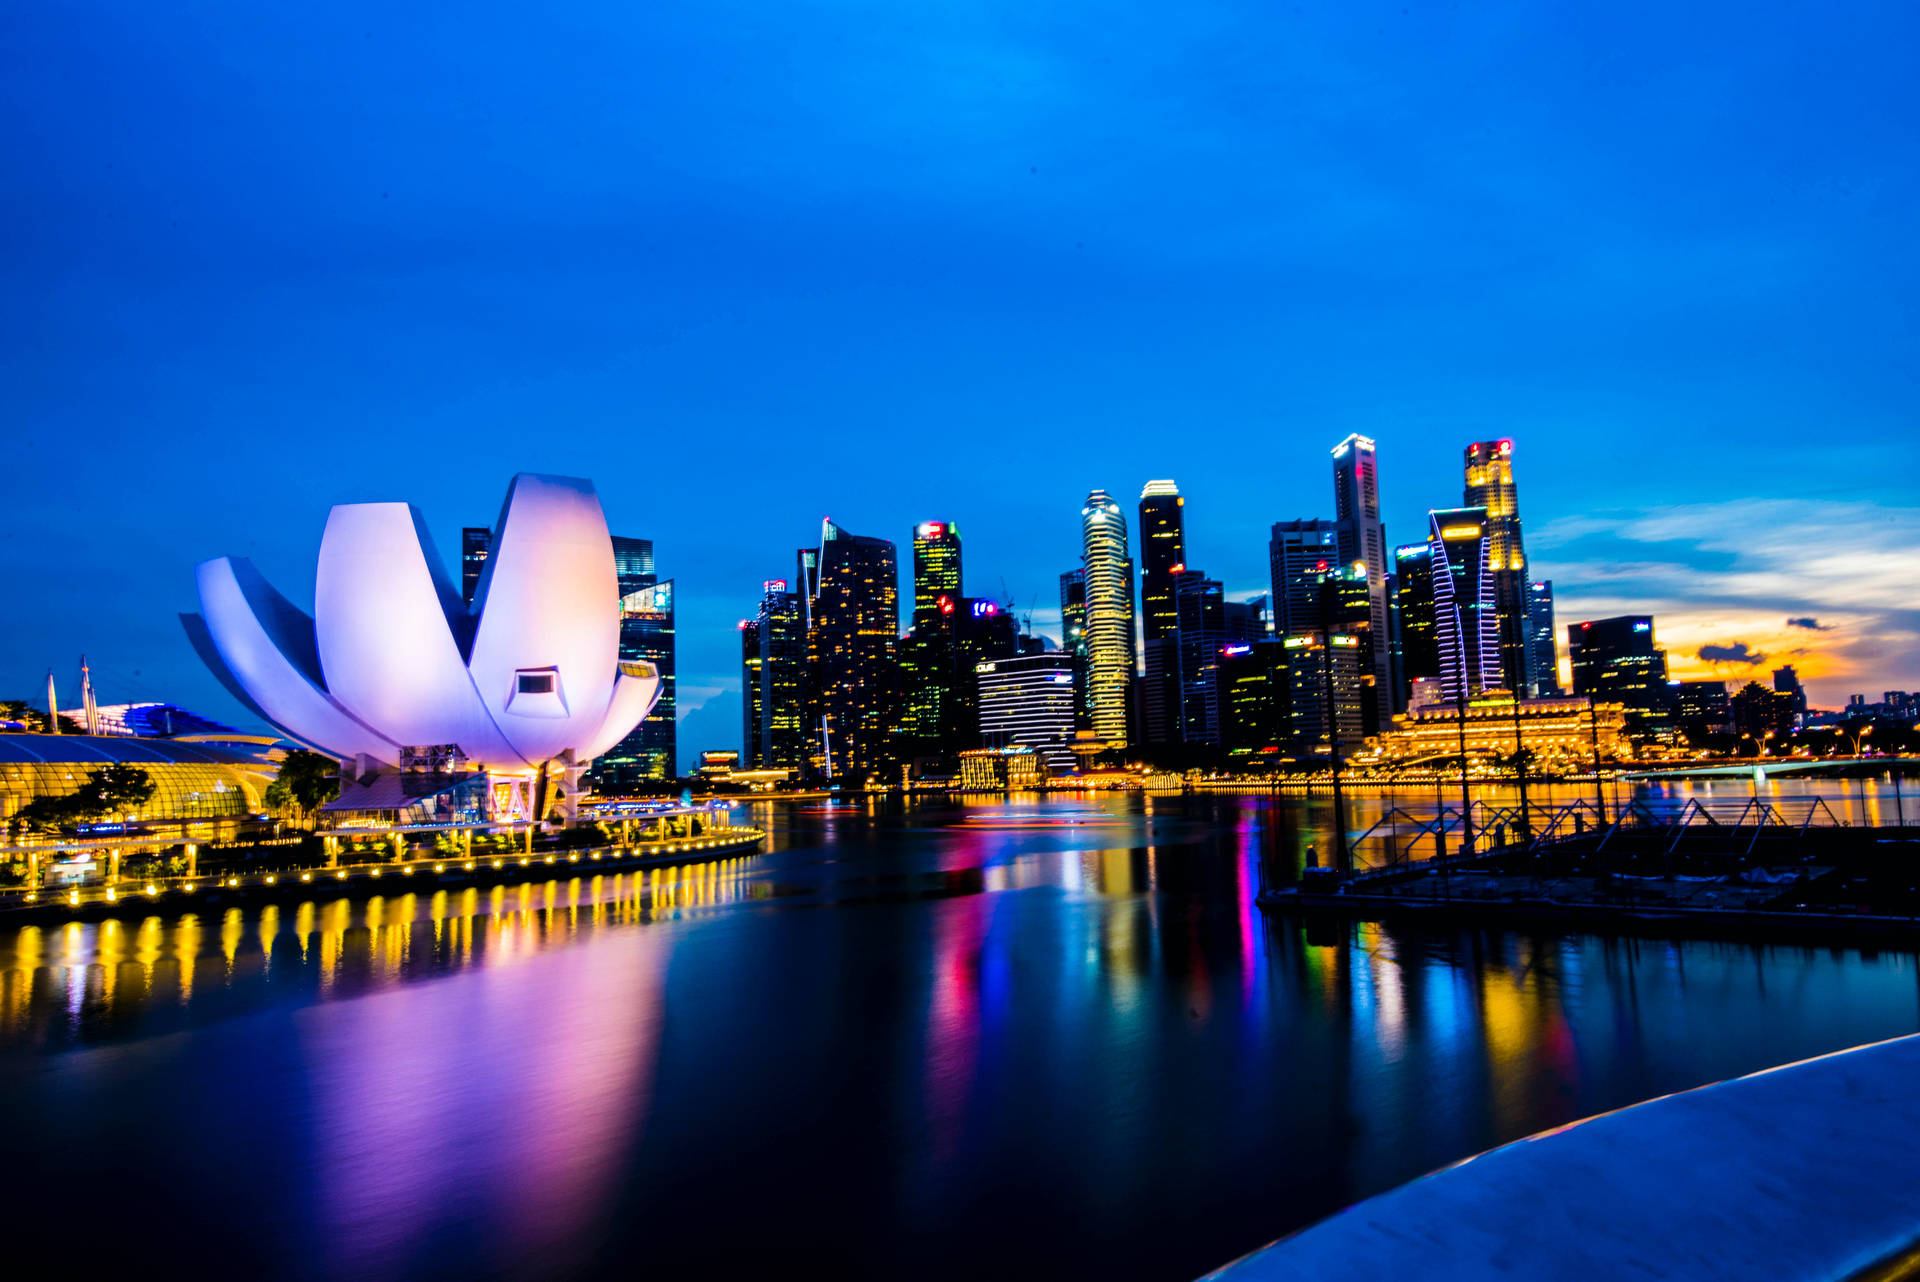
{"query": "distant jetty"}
pixel 1761 870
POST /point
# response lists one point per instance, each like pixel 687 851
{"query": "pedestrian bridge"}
pixel 1761 769
pixel 1806 1172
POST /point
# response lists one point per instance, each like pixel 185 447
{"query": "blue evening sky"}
pixel 746 265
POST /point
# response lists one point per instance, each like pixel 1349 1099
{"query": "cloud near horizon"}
pixel 1824 585
pixel 1738 652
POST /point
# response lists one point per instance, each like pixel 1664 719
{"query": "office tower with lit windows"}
pixel 853 631
pixel 773 657
pixel 1489 477
pixel 1110 656
pixel 1347 601
pixel 1200 632
pixel 1546 655
pixel 650 751
pixel 475 542
pixel 1027 702
pixel 1466 627
pixel 934 681
pixel 1363 540
pixel 1073 637
pixel 1324 698
pixel 1299 554
pixel 1786 681
pixel 1618 661
pixel 939 697
pixel 1163 553
pixel 936 570
pixel 1413 603
pixel 1253 701
pixel 1702 709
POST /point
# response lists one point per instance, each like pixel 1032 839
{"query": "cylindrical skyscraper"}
pixel 1110 665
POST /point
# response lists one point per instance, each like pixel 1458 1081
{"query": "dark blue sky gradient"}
pixel 748 265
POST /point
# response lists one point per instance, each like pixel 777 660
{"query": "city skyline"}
pixel 1695 330
pixel 723 693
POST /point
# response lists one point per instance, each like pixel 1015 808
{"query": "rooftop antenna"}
pixel 90 709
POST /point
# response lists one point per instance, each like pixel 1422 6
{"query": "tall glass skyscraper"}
pixel 1413 602
pixel 633 564
pixel 773 658
pixel 475 542
pixel 1163 554
pixel 1300 553
pixel 1110 656
pixel 650 750
pixel 851 638
pixel 1546 657
pixel 1618 661
pixel 1363 539
pixel 1073 639
pixel 936 570
pixel 1465 625
pixel 1489 473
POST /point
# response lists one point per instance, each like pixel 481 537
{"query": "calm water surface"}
pixel 992 1038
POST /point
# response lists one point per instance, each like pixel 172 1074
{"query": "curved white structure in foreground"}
pixel 1803 1173
pixel 393 661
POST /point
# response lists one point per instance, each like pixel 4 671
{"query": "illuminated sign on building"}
pixel 982 609
pixel 1460 532
pixel 774 585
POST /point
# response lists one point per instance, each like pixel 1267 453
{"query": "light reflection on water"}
pixel 899 1042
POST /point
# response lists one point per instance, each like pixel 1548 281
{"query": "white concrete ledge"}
pixel 1811 1171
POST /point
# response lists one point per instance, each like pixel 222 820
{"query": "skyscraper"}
pixel 1199 635
pixel 1110 657
pixel 773 653
pixel 1465 626
pixel 1363 539
pixel 933 681
pixel 1027 702
pixel 1546 655
pixel 936 569
pixel 1489 474
pixel 855 626
pixel 650 751
pixel 1073 639
pixel 1786 681
pixel 1413 599
pixel 1617 661
pixel 1300 553
pixel 475 542
pixel 633 564
pixel 1163 553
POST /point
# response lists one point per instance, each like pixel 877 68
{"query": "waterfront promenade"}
pixel 1803 1174
pixel 708 836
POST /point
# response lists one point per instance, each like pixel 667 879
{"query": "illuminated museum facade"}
pixel 408 686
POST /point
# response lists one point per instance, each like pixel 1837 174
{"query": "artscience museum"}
pixel 437 710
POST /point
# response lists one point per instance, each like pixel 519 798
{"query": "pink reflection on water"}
pixel 953 1019
pixel 499 1103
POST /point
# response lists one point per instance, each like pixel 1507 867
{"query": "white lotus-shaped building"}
pixel 392 667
